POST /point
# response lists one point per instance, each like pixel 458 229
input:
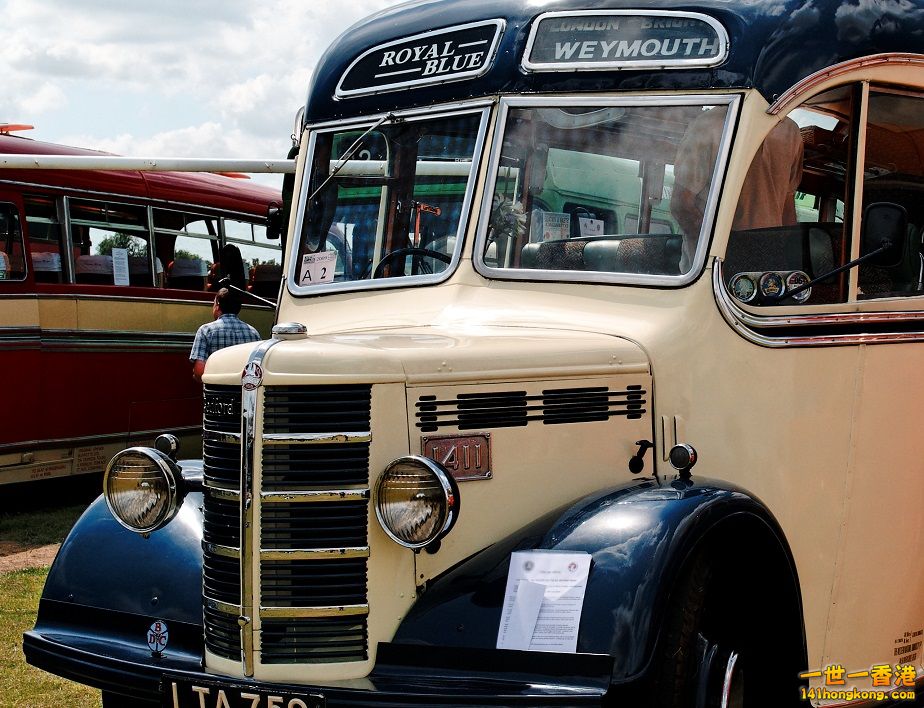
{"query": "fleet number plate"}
pixel 180 693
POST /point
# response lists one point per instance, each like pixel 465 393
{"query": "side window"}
pixel 791 223
pixel 12 257
pixel 188 244
pixel 110 241
pixel 789 220
pixel 894 173
pixel 45 239
pixel 261 258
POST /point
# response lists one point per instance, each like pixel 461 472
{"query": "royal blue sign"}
pixel 451 54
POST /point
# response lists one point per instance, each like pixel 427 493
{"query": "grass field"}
pixel 21 685
pixel 29 520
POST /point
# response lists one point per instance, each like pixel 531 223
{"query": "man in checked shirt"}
pixel 227 330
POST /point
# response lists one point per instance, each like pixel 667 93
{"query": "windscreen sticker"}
pixel 318 268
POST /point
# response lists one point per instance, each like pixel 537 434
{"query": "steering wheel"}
pixel 404 253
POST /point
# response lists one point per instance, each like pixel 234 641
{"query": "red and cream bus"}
pixel 104 277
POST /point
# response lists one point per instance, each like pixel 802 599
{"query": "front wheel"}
pixel 712 652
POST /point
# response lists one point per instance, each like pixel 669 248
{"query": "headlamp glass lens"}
pixel 138 491
pixel 412 503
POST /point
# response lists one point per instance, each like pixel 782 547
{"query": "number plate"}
pixel 181 693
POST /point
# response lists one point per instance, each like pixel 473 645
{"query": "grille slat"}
pixel 515 408
pixel 222 634
pixel 290 467
pixel 222 523
pixel 221 578
pixel 314 640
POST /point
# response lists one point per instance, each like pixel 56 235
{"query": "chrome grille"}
pixel 314 641
pixel 314 583
pixel 314 516
pixel 221 565
pixel 222 634
pixel 323 525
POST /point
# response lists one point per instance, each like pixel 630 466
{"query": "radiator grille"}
pixel 316 409
pixel 305 467
pixel 314 583
pixel 222 521
pixel 314 640
pixel 318 525
pixel 314 549
pixel 221 572
pixel 471 411
pixel 222 634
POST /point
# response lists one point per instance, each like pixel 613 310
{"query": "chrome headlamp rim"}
pixel 170 476
pixel 451 500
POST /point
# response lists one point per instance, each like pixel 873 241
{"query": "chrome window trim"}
pixel 746 324
pixel 457 110
pixel 721 35
pixel 732 100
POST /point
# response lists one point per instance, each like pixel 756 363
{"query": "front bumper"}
pixel 405 675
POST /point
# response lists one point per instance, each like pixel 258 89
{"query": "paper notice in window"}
pixel 318 268
pixel 120 266
pixel 590 227
pixel 543 601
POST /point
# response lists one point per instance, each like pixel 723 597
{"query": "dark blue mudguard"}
pixel 108 585
pixel 639 536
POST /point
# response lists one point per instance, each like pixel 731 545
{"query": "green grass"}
pixel 39 527
pixel 21 685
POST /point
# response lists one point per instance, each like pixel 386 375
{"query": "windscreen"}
pixel 589 191
pixel 386 202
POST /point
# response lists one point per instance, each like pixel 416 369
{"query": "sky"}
pixel 166 78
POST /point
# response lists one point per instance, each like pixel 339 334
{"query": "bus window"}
pixel 589 189
pixel 45 238
pixel 394 207
pixel 808 238
pixel 894 173
pixel 12 260
pixel 111 244
pixel 262 257
pixel 189 244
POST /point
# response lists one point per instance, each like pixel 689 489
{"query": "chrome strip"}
pixel 223 607
pixel 307 497
pixel 792 94
pixel 249 396
pixel 745 323
pixel 221 437
pixel 312 612
pixel 222 492
pixel 223 551
pixel 316 438
pixel 733 102
pixel 291 554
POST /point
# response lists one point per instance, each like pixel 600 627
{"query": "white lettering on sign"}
pixel 458 63
pixel 419 53
pixel 318 268
pixel 593 50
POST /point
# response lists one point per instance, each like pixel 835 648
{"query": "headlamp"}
pixel 416 501
pixel 140 487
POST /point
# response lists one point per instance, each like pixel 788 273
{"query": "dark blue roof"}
pixel 773 44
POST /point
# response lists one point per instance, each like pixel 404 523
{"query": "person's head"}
pixel 226 303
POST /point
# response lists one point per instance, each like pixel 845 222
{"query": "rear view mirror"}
pixel 273 222
pixel 885 226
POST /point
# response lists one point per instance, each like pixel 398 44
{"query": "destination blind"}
pixel 618 39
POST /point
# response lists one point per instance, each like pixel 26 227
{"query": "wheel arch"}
pixel 641 536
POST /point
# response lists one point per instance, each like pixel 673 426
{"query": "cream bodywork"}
pixel 823 436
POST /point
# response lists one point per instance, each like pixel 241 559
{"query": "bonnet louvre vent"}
pixel 470 411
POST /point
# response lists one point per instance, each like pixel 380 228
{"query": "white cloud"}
pixel 173 77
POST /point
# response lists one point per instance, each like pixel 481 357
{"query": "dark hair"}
pixel 232 265
pixel 228 301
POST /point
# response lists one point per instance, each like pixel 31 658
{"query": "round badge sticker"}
pixel 252 376
pixel 157 637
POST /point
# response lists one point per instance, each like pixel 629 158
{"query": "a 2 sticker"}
pixel 317 268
